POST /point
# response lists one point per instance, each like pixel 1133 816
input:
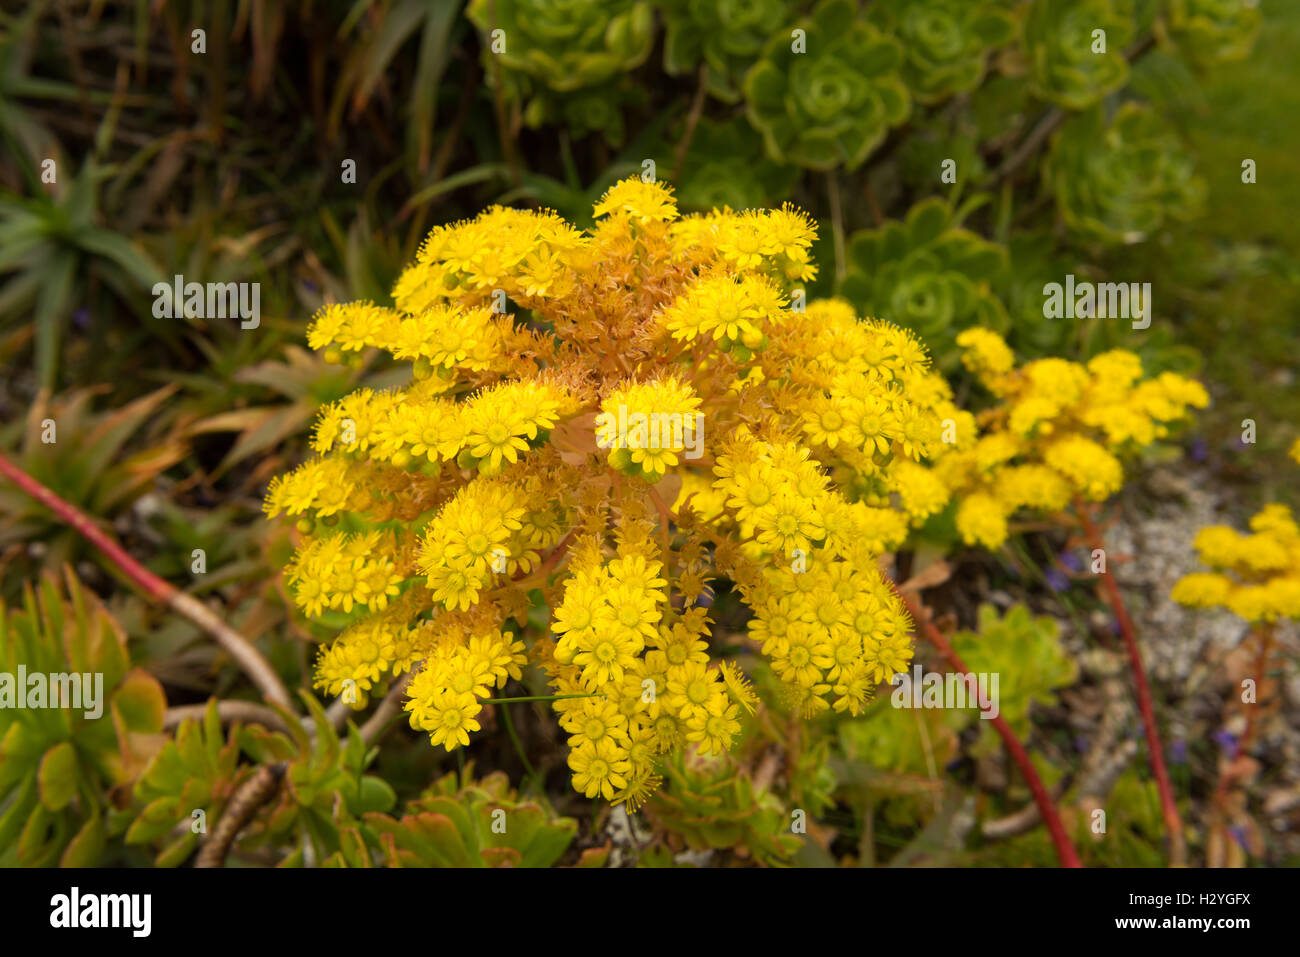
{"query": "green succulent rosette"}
pixel 566 44
pixel 563 58
pixel 725 168
pixel 929 274
pixel 1119 181
pixel 1213 31
pixel 945 42
pixel 1059 41
pixel 1025 651
pixel 832 103
pixel 727 35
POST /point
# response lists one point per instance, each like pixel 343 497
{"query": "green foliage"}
pixel 55 251
pixel 567 44
pixel 897 740
pixel 1063 50
pixel 1027 656
pixel 727 35
pixel 1119 180
pixel 832 104
pixel 60 766
pixel 928 274
pixel 325 788
pixel 195 772
pixel 945 42
pixel 711 803
pixel 318 771
pixel 86 464
pixel 549 49
pixel 1133 837
pixel 725 167
pixel 466 823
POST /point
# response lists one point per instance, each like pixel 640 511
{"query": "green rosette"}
pixel 928 274
pixel 945 42
pixel 1118 181
pixel 827 91
pixel 1062 49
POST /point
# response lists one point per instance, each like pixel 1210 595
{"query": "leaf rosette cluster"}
pixel 832 103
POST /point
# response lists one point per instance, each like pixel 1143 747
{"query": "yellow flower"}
pixel 446 715
pixel 599 769
pixel 1256 576
pixel 1202 590
pixel 738 686
pixel 715 730
pixel 987 354
pixel 981 521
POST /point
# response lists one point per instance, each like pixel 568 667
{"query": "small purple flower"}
pixel 81 318
pixel 1226 740
pixel 1178 751
pixel 1239 833
pixel 1081 744
pixel 1056 580
pixel 1200 449
pixel 953 765
pixel 1071 561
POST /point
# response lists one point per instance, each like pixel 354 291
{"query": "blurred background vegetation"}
pixel 136 149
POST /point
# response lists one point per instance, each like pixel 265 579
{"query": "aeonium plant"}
pixel 609 421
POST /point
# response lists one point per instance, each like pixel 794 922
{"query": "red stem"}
pixel 1047 810
pixel 244 654
pixel 81 523
pixel 1173 821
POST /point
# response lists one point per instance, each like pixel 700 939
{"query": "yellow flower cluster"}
pixel 604 422
pixel 1057 431
pixel 1256 576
